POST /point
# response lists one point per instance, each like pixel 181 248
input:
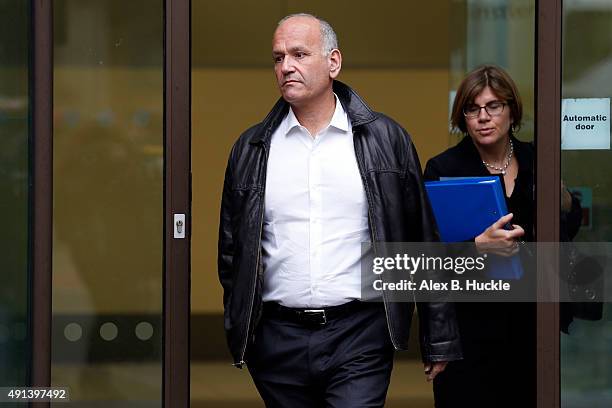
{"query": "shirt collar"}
pixel 339 119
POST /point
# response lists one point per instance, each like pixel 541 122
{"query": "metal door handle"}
pixel 179 226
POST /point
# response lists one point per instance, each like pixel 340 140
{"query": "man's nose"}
pixel 287 65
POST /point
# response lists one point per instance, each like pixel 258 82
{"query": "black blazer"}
pixel 463 160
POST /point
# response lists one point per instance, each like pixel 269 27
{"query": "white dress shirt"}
pixel 316 215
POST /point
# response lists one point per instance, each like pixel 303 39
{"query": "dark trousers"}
pixel 344 363
pixel 499 358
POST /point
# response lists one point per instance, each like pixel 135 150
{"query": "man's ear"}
pixel 335 63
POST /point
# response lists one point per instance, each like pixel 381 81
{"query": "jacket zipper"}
pixel 252 301
pixel 372 230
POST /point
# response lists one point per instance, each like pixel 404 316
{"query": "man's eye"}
pixel 278 59
pixel 299 55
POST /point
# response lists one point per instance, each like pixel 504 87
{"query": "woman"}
pixel 498 339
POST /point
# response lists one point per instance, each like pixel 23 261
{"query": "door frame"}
pixel 177 159
pixel 41 192
pixel 177 197
pixel 548 192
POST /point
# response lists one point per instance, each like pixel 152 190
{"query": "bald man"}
pixel 321 174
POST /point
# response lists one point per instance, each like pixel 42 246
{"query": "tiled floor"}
pixel 221 385
pixel 213 385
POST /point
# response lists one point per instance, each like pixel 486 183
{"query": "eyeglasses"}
pixel 493 108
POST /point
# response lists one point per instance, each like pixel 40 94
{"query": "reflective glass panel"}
pixel 14 192
pixel 108 201
pixel 586 352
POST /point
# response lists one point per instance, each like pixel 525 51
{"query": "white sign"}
pixel 585 124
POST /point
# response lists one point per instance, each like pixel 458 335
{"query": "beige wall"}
pixel 108 191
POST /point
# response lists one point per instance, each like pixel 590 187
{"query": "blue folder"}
pixel 466 206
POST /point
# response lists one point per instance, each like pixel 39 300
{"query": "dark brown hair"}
pixel 473 84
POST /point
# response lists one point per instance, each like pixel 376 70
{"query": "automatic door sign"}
pixel 585 124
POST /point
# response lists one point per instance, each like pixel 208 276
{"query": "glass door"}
pixel 121 219
pixel 15 195
pixel 108 167
pixel 586 351
pixel 95 200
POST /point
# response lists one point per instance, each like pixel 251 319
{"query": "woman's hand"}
pixel 499 240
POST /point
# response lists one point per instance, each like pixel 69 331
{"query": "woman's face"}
pixel 488 129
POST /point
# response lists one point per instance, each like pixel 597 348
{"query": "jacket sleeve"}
pixel 438 328
pixel 225 254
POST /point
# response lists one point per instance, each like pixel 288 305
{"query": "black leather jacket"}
pixel 398 212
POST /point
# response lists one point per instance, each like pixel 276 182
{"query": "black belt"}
pixel 315 316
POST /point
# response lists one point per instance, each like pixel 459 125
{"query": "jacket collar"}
pixel 357 110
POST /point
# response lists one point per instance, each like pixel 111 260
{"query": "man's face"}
pixel 302 71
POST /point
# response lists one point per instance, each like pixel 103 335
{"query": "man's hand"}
pixel 433 369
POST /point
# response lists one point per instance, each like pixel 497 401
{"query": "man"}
pixel 303 189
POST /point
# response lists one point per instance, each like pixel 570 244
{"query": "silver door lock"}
pixel 179 226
